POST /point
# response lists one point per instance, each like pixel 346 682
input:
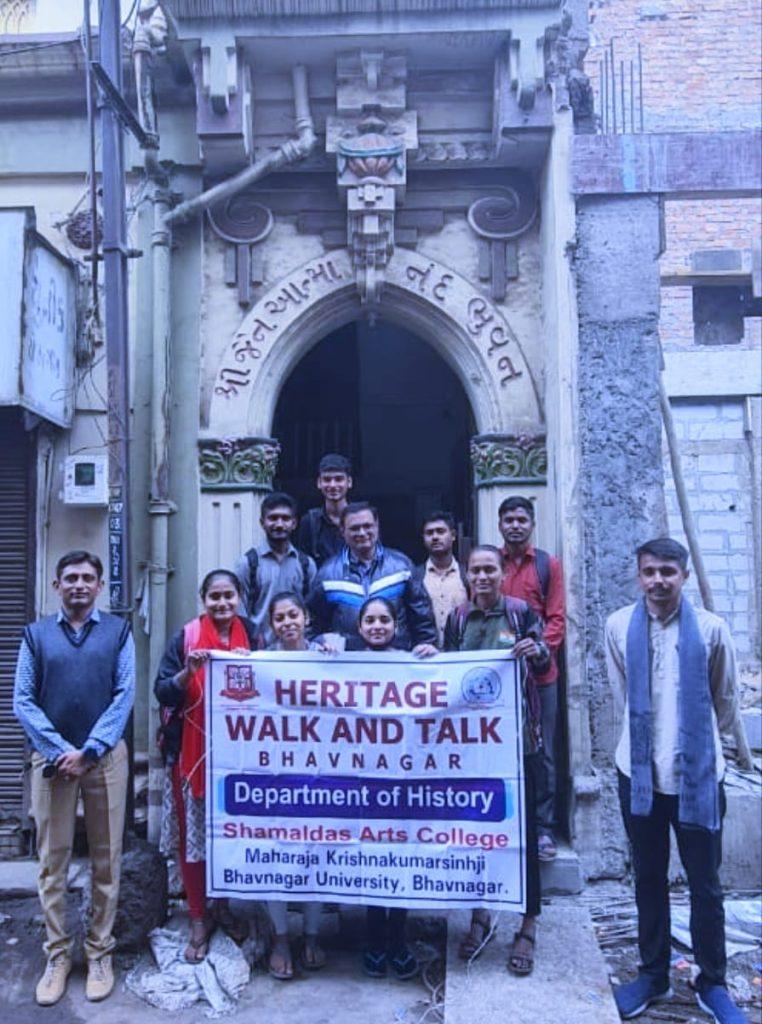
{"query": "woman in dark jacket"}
pixel 179 688
pixel 490 621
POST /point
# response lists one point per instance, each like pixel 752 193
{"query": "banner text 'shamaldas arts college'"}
pixel 366 778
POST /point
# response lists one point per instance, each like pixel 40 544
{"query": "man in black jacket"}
pixel 319 533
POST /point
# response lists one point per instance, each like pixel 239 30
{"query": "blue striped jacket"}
pixel 340 589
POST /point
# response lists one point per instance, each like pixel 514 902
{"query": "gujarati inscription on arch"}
pixel 271 315
pixel 481 321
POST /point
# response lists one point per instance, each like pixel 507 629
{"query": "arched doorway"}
pixel 384 397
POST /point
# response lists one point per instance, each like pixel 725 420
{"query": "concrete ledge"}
pixel 713 374
pixel 569 983
pixel 689 165
pixel 562 876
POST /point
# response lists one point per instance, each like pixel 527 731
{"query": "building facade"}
pixel 374 227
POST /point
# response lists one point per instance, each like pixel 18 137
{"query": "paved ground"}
pixel 570 984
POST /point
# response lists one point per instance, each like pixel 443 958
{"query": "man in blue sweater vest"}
pixel 75 685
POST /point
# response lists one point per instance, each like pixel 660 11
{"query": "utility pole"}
pixel 115 256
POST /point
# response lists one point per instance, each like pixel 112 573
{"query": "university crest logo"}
pixel 481 687
pixel 239 683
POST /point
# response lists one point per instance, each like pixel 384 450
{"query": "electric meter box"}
pixel 86 480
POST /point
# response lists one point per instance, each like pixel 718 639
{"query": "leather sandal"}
pixel 479 934
pixel 312 955
pixel 521 963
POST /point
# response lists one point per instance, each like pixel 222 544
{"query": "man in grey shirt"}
pixel 275 564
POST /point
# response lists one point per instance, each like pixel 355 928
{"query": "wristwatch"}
pixel 90 754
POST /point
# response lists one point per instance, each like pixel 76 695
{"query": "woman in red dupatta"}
pixel 179 688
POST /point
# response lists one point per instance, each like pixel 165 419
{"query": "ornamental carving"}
pixel 509 459
pixel 240 463
pixel 371 135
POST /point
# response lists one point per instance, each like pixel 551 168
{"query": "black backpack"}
pixel 542 565
pixel 252 559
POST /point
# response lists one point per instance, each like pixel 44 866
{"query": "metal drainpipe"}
pixel 160 506
pixel 288 153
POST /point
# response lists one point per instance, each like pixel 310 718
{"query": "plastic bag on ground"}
pixel 743 925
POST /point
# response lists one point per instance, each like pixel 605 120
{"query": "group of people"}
pixel 326 583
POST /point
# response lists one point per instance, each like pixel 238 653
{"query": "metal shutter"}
pixel 16 573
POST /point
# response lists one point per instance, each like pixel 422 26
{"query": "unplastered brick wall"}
pixel 701 60
pixel 716 464
pixel 702 71
pixel 691 225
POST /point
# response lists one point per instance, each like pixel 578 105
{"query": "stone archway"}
pixel 238 457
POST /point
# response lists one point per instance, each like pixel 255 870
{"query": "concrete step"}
pixel 569 984
pixel 18 877
pixel 562 876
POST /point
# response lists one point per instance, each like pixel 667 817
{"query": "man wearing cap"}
pixel 319 533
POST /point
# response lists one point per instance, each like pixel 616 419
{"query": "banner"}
pixel 366 778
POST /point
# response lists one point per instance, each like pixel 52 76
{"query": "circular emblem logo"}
pixel 481 687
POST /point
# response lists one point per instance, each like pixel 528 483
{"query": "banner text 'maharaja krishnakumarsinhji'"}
pixel 366 778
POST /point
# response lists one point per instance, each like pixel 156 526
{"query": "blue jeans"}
pixel 701 854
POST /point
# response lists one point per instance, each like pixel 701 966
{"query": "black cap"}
pixel 335 463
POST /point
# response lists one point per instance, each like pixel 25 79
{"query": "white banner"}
pixel 366 778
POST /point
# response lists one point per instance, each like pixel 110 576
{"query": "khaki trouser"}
pixel 54 809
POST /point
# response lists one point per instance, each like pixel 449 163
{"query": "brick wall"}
pixel 705 224
pixel 701 60
pixel 717 469
pixel 702 70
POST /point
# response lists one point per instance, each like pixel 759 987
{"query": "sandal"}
pixel 479 934
pixel 235 927
pixel 198 941
pixel 281 953
pixel 404 964
pixel 312 956
pixel 374 964
pixel 521 963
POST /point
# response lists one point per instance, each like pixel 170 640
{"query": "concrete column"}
pixel 621 481
pixel 505 465
pixel 235 473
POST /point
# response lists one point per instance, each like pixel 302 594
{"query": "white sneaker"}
pixel 52 984
pixel 100 978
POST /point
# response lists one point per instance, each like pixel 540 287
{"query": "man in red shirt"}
pixel 534 576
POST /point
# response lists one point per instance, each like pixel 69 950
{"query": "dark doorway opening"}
pixel 383 397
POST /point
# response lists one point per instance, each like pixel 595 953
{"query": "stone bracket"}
pixel 219 73
pixel 509 459
pixel 223 105
pixel 522 98
pixel 498 264
pixel 244 268
pixel 238 463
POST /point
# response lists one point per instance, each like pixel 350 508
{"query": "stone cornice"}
pixel 201 9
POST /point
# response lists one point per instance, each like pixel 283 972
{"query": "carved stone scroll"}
pixel 240 463
pixel 509 458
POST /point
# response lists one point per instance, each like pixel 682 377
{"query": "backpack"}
pixel 252 560
pixel 542 567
